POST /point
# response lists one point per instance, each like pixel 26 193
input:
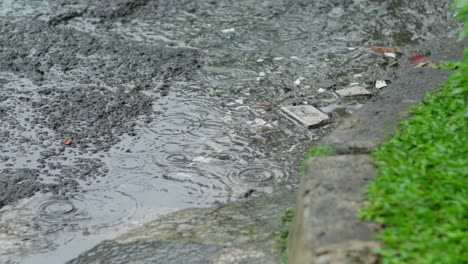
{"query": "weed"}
pixel 282 236
pixel 448 65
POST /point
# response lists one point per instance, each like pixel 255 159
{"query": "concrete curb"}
pixel 326 228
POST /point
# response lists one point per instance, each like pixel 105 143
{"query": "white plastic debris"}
pixel 380 84
pixel 321 90
pixel 298 80
pixel 260 60
pixel 294 57
pixel 390 55
pixel 278 58
pixel 239 101
pixel 351 48
pixel 353 91
pixel 261 74
pixel 306 115
pixel 228 30
pixel 359 75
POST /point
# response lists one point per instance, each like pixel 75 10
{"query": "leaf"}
pixel 418 58
pixel 67 141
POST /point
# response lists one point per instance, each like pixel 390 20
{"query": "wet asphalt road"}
pixel 172 104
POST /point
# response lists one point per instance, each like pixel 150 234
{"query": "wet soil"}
pixel 172 104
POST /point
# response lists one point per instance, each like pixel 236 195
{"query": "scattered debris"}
pixel 67 141
pixel 278 58
pixel 353 91
pixel 418 58
pixel 380 49
pixel 306 115
pixel 321 90
pixel 358 75
pixel 390 55
pixel 426 64
pixel 260 60
pixel 228 30
pixel 380 84
pixel 299 80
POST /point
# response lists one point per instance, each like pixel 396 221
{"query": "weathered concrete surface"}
pixel 326 213
pixel 240 232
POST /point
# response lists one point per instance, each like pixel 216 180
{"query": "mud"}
pixel 16 184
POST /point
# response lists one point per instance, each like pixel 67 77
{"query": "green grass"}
pixel 421 195
pixel 448 65
pixel 282 236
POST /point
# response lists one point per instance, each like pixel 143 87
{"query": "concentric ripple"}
pixel 175 124
pixel 179 158
pixel 91 209
pixel 56 211
pixel 128 162
pixel 256 174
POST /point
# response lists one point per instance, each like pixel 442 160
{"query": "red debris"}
pixel 67 141
pixel 380 49
pixel 418 59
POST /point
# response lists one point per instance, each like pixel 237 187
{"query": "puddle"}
pixel 173 104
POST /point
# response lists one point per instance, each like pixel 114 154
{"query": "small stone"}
pixel 353 91
pixel 380 84
pixel 306 115
pixel 228 30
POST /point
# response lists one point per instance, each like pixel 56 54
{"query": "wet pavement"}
pixel 172 104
